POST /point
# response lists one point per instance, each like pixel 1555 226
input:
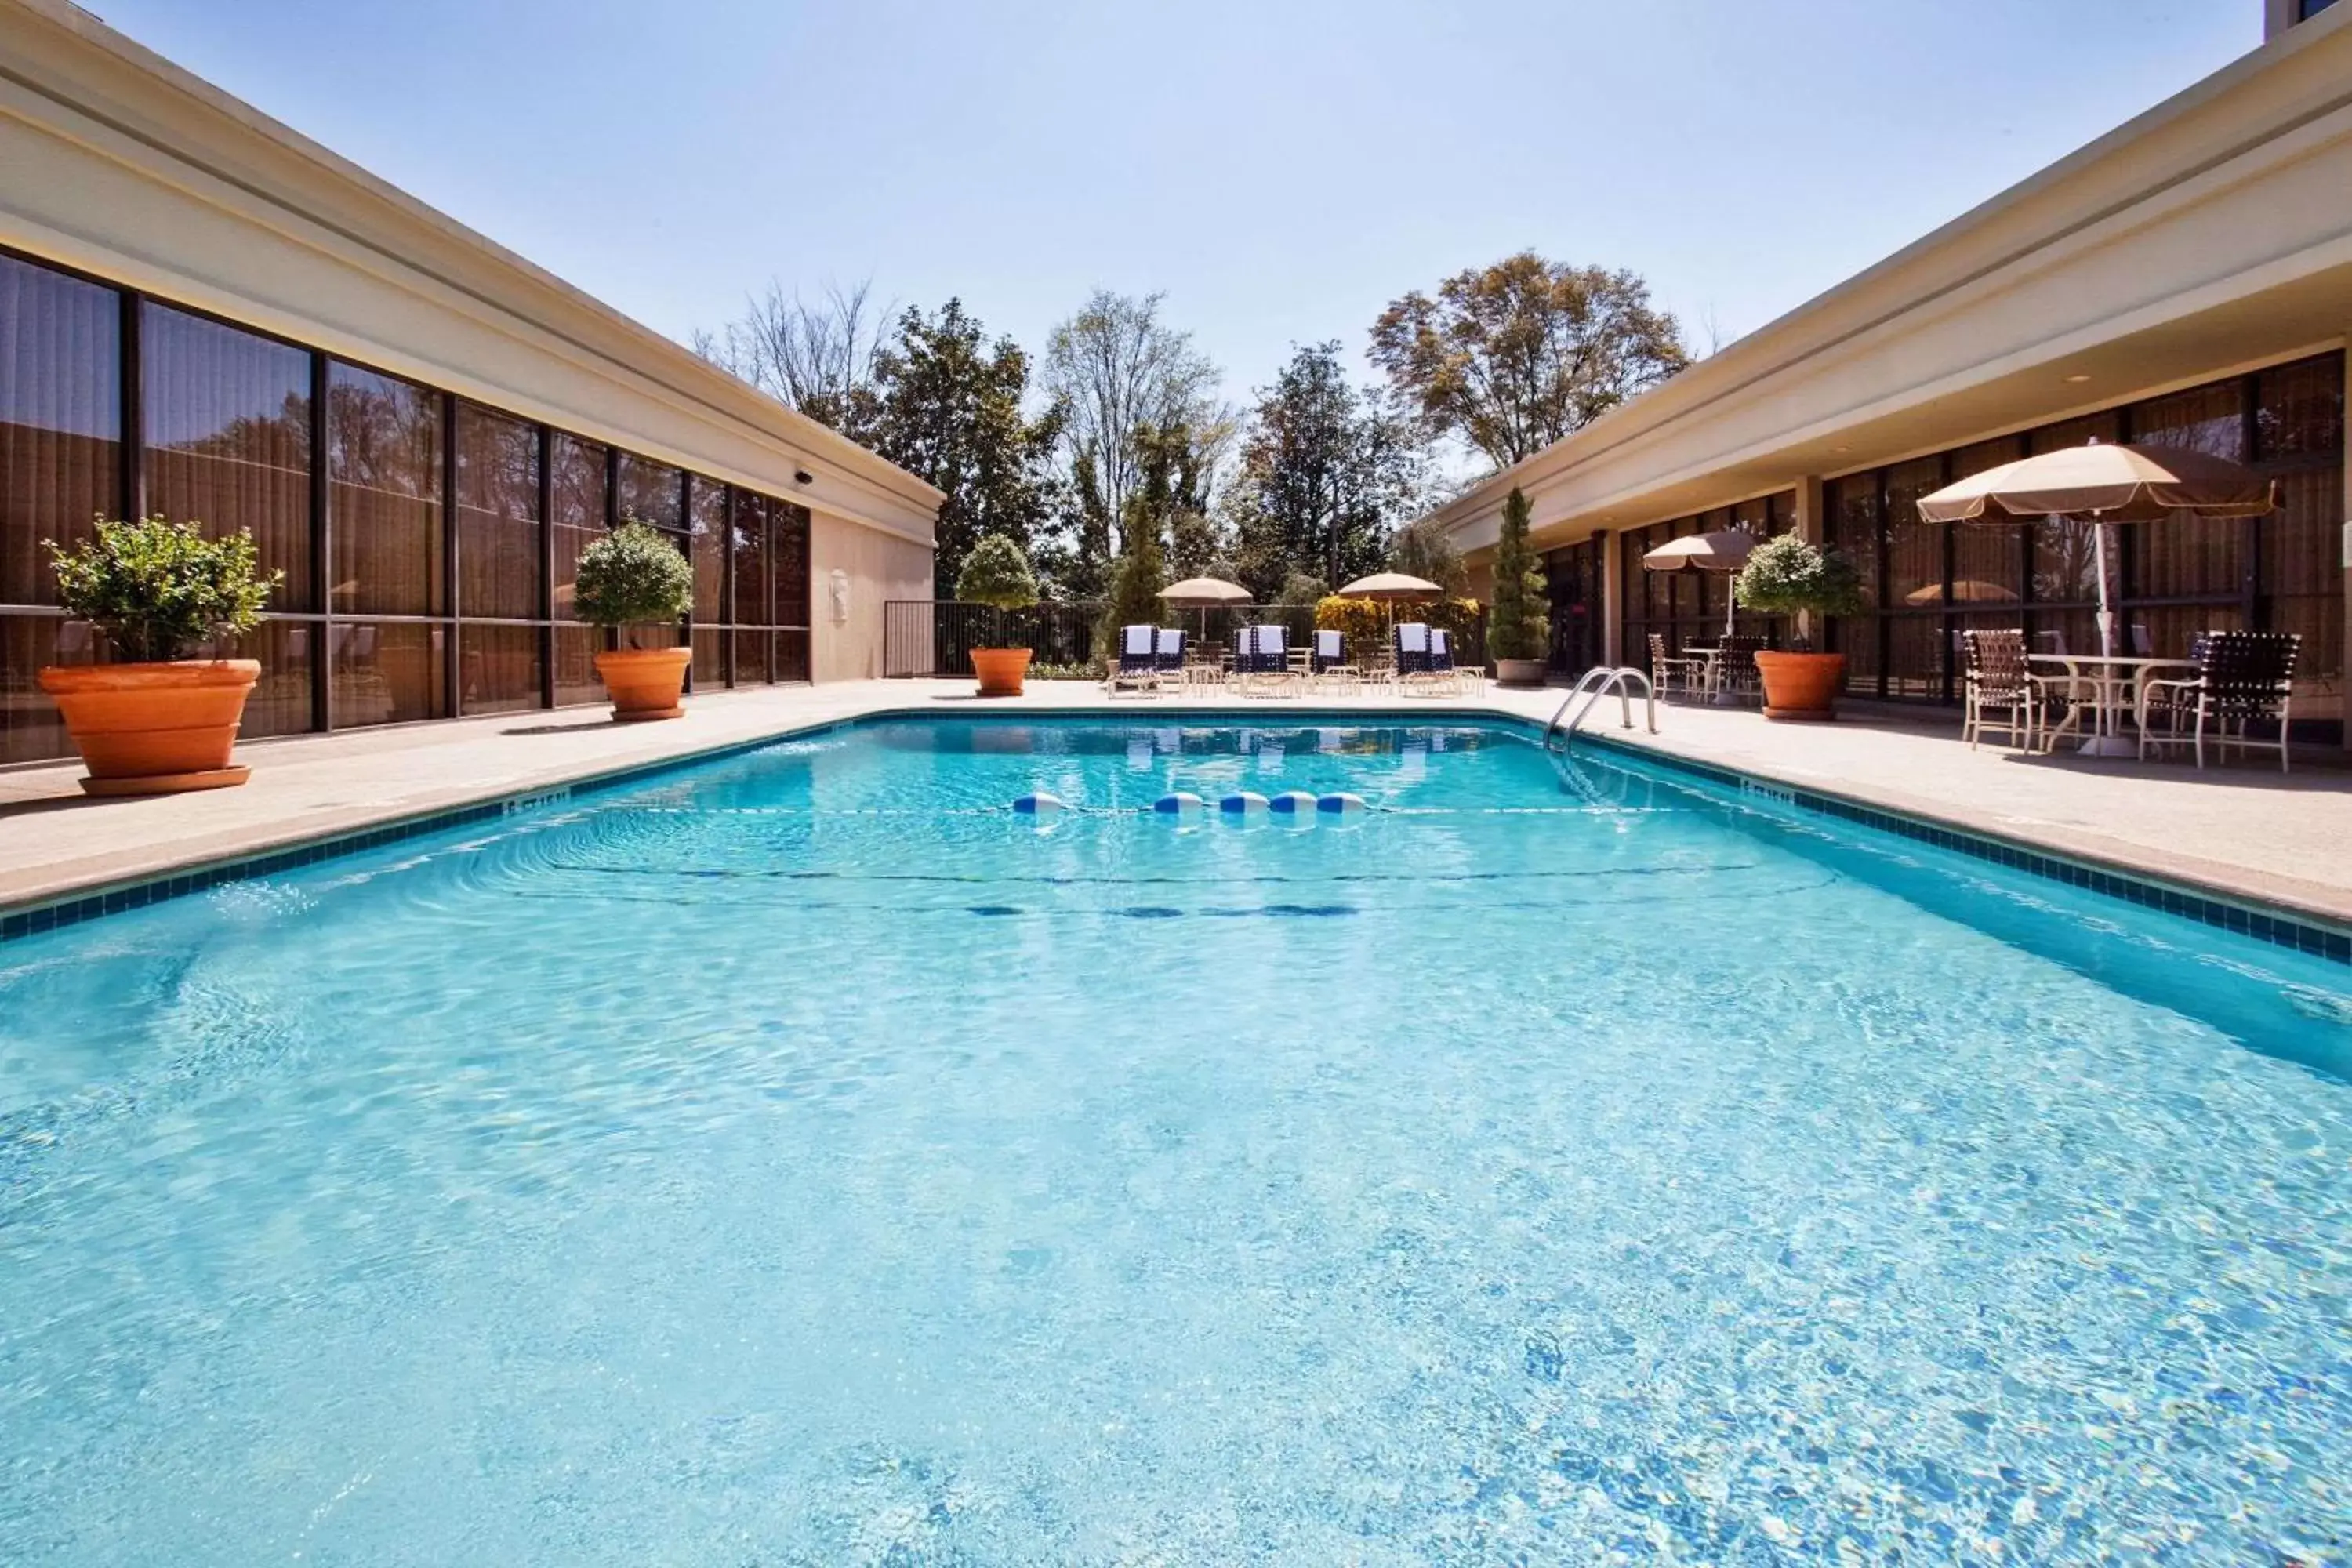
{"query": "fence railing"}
pixel 934 637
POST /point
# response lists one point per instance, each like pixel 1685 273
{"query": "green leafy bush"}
pixel 1365 622
pixel 632 576
pixel 155 589
pixel 1520 624
pixel 997 572
pixel 1785 576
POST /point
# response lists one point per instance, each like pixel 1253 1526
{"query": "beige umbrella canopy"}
pixel 1202 592
pixel 1726 550
pixel 1391 586
pixel 2105 484
pixel 1965 591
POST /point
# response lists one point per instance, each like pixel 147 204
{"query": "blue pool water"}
pixel 803 1160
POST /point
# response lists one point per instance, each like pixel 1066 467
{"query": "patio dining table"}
pixel 2113 682
pixel 1710 677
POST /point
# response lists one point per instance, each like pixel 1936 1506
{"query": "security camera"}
pixel 803 477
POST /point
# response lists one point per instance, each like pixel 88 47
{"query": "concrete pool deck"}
pixel 2241 830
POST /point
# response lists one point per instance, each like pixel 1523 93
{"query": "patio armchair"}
pixel 1670 672
pixel 2000 692
pixel 2242 678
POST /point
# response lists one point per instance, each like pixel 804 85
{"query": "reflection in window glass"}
pixel 60 420
pixel 652 492
pixel 226 419
pixel 383 494
pixel 498 561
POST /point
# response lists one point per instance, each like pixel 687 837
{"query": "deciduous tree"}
pixel 1512 357
pixel 1118 368
pixel 1325 474
pixel 816 358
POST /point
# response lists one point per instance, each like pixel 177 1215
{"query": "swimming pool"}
pixel 802 1158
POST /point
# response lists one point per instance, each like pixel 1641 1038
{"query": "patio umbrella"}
pixel 2105 484
pixel 1390 587
pixel 1965 591
pixel 1725 551
pixel 1203 594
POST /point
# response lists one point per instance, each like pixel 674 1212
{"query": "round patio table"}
pixel 2113 682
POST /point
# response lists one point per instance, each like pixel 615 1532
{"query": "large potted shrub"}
pixel 1787 577
pixel 156 720
pixel 996 574
pixel 633 578
pixel 1518 627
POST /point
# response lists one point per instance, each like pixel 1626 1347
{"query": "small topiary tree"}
pixel 997 573
pixel 155 590
pixel 1787 577
pixel 1519 625
pixel 631 577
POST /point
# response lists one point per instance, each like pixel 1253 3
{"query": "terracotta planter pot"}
pixel 1000 670
pixel 1521 671
pixel 154 728
pixel 645 682
pixel 1801 686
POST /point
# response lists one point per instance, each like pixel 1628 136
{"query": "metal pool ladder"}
pixel 1592 686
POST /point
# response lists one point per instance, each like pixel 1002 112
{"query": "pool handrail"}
pixel 1592 686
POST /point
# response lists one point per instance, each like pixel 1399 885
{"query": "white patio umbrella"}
pixel 1723 552
pixel 2105 484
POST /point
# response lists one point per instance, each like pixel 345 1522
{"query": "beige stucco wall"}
pixel 847 638
pixel 2207 236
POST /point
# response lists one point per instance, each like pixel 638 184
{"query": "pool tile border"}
pixel 2274 926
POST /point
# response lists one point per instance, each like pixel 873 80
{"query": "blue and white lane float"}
pixel 1041 802
pixel 1182 803
pixel 1340 804
pixel 1244 803
pixel 1294 803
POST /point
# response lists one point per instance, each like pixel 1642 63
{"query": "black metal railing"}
pixel 935 637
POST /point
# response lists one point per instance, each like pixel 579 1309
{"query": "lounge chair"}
pixel 1262 661
pixel 1459 677
pixel 1138 668
pixel 1411 640
pixel 1327 661
pixel 1168 653
pixel 2242 678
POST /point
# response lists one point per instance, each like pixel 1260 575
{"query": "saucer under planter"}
pixel 1001 670
pixel 645 682
pixel 1520 671
pixel 1801 688
pixel 154 728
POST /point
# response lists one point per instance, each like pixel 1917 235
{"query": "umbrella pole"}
pixel 2106 607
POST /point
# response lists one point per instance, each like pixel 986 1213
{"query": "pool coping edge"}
pixel 2275 922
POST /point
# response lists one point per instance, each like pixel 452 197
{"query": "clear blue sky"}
pixel 1281 171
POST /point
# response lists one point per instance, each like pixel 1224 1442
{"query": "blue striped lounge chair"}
pixel 1138 668
pixel 1412 650
pixel 1168 651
